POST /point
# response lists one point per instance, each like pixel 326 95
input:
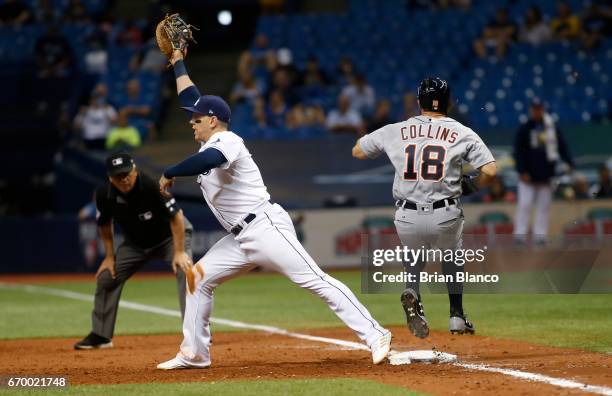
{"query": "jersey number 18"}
pixel 432 163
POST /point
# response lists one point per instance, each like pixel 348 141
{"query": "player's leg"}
pixel 128 259
pixel 526 193
pixel 410 229
pixel 225 260
pixel 271 241
pixel 542 207
pixel 448 226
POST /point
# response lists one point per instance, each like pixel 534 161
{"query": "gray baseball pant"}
pixel 128 260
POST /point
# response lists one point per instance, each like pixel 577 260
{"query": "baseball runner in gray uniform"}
pixel 427 152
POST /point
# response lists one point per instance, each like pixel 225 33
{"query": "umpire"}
pixel 153 227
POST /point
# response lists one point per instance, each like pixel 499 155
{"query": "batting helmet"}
pixel 434 94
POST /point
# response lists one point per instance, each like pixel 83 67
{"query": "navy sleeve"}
pixel 564 149
pixel 520 146
pixel 196 164
pixel 189 96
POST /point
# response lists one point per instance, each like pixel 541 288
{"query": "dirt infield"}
pixel 253 356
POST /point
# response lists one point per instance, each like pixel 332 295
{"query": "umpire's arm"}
pixel 181 259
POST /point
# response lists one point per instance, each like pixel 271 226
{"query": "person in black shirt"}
pixel 538 147
pixel 153 227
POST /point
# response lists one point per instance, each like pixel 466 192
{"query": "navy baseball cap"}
pixel 211 105
pixel 118 163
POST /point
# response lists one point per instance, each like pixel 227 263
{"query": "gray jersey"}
pixel 427 154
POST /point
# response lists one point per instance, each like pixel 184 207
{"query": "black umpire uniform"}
pixel 145 218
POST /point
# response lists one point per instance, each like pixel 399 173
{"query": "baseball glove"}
pixel 468 185
pixel 173 33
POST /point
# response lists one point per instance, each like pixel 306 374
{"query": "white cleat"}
pixel 176 364
pixel 380 348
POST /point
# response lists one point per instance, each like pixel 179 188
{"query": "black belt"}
pixel 250 217
pixel 237 228
pixel 436 205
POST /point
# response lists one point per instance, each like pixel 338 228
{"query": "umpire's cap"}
pixel 434 94
pixel 211 105
pixel 118 163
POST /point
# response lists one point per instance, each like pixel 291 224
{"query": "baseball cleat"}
pixel 94 341
pixel 176 364
pixel 415 316
pixel 380 348
pixel 459 324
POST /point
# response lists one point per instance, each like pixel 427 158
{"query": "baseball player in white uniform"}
pixel 260 232
pixel 427 152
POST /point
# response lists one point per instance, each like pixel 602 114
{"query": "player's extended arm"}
pixel 358 152
pixel 185 88
pixel 197 164
pixel 486 175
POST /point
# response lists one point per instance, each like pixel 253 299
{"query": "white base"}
pixel 397 358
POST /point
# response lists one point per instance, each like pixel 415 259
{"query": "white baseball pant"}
pixel 269 241
pixel 528 194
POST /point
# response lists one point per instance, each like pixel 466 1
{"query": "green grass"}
pixel 576 321
pixel 348 387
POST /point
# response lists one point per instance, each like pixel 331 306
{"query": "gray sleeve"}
pixel 372 144
pixel 477 153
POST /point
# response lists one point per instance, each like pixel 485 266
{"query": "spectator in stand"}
pixel 96 55
pixel 596 24
pixel 411 106
pixel 53 69
pixel 123 136
pixel 276 110
pixel 247 89
pixel 14 13
pixel 581 187
pixel 313 79
pixel 346 72
pixel 130 35
pixel 260 59
pixel 361 96
pixel 259 112
pixel 565 26
pixel 282 81
pixel 76 13
pixel 382 115
pixel 53 54
pixel 538 147
pixel 305 115
pixel 344 119
pixel 498 34
pixel 138 109
pixel 603 189
pixel 95 120
pixel 497 192
pixel 149 58
pixel 45 13
pixel 534 31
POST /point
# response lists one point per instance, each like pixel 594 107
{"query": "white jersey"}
pixel 427 154
pixel 236 188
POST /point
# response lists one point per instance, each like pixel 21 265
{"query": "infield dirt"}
pixel 254 356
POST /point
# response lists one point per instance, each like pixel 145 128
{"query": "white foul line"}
pixel 560 382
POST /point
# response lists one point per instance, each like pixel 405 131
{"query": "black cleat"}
pixel 94 341
pixel 415 316
pixel 459 324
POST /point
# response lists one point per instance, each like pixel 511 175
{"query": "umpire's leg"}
pixel 128 260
